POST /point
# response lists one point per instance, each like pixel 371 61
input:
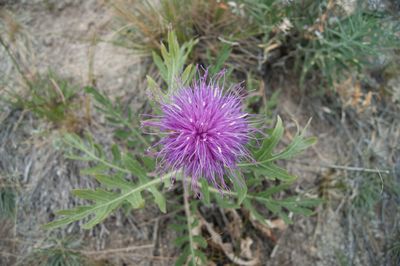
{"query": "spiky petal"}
pixel 206 131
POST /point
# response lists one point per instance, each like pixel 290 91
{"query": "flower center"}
pixel 200 131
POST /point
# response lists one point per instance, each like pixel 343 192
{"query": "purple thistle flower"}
pixel 206 131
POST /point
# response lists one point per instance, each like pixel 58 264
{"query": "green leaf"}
pixel 270 143
pixel 272 171
pixel 136 169
pixel 95 170
pixel 264 165
pixel 273 207
pixel 95 195
pixel 222 56
pixel 98 96
pixel 248 205
pixel 205 192
pixel 274 189
pixel 200 240
pixel 200 255
pixel 240 188
pixel 116 153
pixel 172 61
pixel 160 65
pixel 159 198
pixel 156 93
pixel 188 74
pixel 182 240
pixel 183 257
pixel 133 166
pixel 101 209
pixel 115 181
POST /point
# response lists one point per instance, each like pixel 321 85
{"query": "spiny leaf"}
pixel 136 169
pixel 270 143
pixel 102 209
pixel 272 171
pixel 95 195
pixel 200 240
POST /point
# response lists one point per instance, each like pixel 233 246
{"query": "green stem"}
pixel 188 219
pixel 234 194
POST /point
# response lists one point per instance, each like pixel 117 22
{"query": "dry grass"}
pixel 145 25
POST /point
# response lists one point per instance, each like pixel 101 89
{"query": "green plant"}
pixel 49 97
pixel 346 45
pixel 394 249
pixel 171 66
pixel 7 202
pixel 120 117
pixel 130 180
pixel 325 42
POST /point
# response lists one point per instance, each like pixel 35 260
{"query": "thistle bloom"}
pixel 205 132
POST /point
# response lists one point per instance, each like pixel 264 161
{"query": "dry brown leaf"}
pixel 245 248
pixel 357 94
pixel 226 247
pixel 235 224
pixel 279 224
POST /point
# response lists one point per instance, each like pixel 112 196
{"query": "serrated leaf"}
pixel 101 210
pixel 273 207
pixel 159 199
pixel 95 170
pixel 183 257
pixel 94 195
pixel 272 171
pixel 136 169
pixel 101 214
pixel 200 241
pixel 273 190
pixel 181 240
pixel 133 166
pixel 115 181
pixel 136 200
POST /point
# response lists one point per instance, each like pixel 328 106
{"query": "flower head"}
pixel 205 132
